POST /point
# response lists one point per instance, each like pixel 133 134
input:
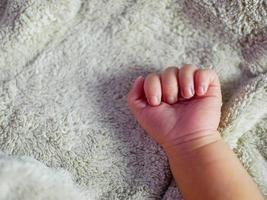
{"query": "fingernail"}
pixel 201 90
pixel 171 100
pixel 154 100
pixel 191 91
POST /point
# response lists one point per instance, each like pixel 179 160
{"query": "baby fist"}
pixel 177 106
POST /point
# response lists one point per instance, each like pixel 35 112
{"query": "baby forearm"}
pixel 206 168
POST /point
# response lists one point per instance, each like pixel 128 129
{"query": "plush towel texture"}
pixel 66 67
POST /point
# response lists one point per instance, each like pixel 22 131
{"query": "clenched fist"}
pixel 178 105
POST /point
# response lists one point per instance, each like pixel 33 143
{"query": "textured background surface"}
pixel 66 67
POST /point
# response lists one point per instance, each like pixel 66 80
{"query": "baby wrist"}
pixel 191 142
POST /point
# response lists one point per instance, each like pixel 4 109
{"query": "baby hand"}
pixel 177 106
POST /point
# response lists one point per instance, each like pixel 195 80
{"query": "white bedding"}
pixel 66 67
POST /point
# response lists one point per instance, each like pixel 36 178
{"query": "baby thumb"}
pixel 135 101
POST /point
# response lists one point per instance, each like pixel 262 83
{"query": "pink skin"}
pixel 185 124
pixel 190 107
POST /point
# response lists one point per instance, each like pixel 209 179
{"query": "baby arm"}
pixel 180 109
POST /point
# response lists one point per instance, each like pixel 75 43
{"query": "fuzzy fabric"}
pixel 66 67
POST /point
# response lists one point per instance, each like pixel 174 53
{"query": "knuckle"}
pixel 189 67
pixel 169 83
pixel 169 76
pixel 199 72
pixel 185 78
pixel 186 83
pixel 151 78
pixel 202 72
pixel 151 75
pixel 171 68
pixel 205 72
